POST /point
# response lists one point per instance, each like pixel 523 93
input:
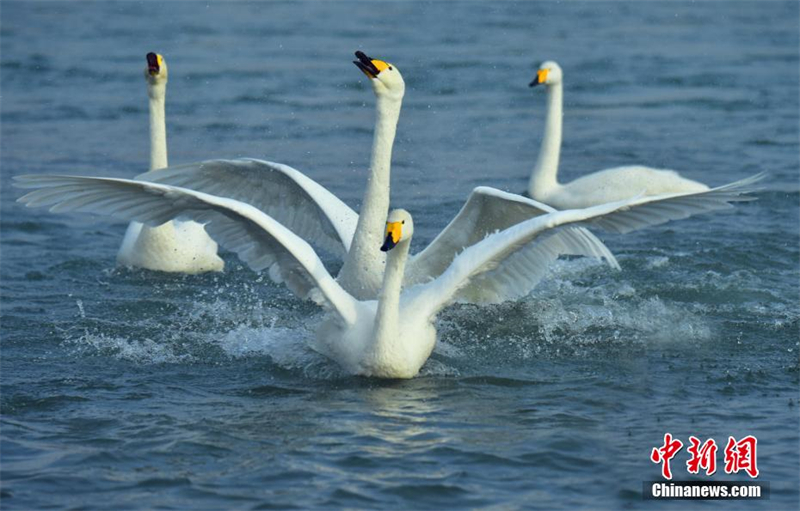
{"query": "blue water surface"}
pixel 129 389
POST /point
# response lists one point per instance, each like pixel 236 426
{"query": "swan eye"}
pixel 403 222
pixel 390 68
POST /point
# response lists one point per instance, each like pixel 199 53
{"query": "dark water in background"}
pixel 126 389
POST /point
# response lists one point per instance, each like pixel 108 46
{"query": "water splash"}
pixel 145 351
pixel 579 311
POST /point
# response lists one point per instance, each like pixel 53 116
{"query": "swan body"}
pixel 615 184
pixel 385 339
pixel 175 246
pixel 392 334
pixel 608 185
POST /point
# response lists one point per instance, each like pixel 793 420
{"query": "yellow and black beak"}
pixel 393 232
pixel 153 66
pixel 370 67
pixel 541 77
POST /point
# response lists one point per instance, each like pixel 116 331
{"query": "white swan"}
pixel 599 187
pixel 390 337
pixel 175 246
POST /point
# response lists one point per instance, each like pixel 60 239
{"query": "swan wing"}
pixel 287 195
pixel 489 210
pixel 259 240
pixel 658 209
pixel 505 265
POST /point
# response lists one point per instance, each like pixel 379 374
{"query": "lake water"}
pixel 128 389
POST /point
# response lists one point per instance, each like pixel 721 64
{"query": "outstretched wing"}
pixel 500 262
pixel 658 209
pixel 287 195
pixel 259 240
pixel 501 266
pixel 489 210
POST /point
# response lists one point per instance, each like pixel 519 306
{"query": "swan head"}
pixel 549 73
pixel 385 77
pixel 156 70
pixel 399 229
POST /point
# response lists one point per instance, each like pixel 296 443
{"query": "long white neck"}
pixel 387 318
pixel 158 126
pixel 375 206
pixel 544 176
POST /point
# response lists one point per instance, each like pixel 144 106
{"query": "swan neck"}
pixel 387 319
pixel 375 205
pixel 376 195
pixel 158 127
pixel 544 176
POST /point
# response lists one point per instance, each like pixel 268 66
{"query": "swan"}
pixel 175 246
pixel 389 336
pixel 599 187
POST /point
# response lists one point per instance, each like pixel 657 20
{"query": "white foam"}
pixel 287 347
pixel 657 262
pixel 146 351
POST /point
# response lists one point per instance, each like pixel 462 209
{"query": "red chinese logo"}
pixel 741 455
pixel 665 453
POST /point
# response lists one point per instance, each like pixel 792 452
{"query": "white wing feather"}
pixel 521 271
pixel 658 209
pixel 287 195
pixel 489 210
pixel 259 240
